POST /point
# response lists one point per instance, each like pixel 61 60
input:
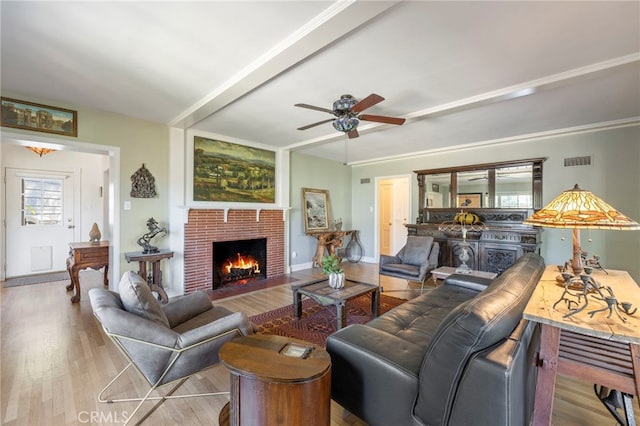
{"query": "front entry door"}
pixel 40 220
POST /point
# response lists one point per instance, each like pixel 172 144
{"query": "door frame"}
pixel 376 218
pixel 113 192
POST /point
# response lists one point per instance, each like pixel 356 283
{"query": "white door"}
pixel 400 212
pixel 385 191
pixel 40 220
pixel 393 210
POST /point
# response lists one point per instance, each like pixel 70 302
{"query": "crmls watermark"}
pixel 102 417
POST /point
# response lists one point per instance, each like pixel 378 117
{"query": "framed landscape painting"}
pixel 316 208
pixel 40 118
pixel 229 172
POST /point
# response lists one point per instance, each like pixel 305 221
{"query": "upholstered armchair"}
pixel 165 343
pixel 413 262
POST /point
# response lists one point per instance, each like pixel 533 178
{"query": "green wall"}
pixel 312 172
pixel 614 176
pixel 139 142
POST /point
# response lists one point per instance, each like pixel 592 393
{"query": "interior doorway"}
pixel 110 193
pixel 393 207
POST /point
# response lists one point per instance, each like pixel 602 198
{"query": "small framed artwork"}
pixel 316 208
pixel 40 118
pixel 471 199
pixel 435 187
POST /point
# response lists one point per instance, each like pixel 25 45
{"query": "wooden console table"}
pixel 269 387
pixel 83 256
pixel 155 280
pixel 601 350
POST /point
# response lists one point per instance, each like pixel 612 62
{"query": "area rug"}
pixel 36 279
pixel 318 322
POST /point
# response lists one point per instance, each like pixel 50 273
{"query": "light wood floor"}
pixel 55 360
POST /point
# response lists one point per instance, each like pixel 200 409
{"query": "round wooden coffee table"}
pixel 277 380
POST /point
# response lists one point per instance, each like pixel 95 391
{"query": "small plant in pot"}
pixel 331 267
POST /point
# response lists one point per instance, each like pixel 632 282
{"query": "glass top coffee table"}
pixel 324 295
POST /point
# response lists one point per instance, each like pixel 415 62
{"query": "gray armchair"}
pixel 413 262
pixel 165 343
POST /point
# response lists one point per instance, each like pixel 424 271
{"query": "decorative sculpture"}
pixel 94 234
pixel 154 230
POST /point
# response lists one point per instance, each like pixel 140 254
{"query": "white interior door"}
pixel 385 197
pixel 400 213
pixel 393 213
pixel 40 220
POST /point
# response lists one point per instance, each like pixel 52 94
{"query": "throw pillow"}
pixel 137 298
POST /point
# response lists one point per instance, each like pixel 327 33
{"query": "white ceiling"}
pixel 462 73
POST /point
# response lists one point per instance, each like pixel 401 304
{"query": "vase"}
pixel 336 280
pixel 353 251
pixel 94 234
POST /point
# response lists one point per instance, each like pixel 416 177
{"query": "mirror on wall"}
pixel 504 185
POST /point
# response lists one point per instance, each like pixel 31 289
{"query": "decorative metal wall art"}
pixel 143 184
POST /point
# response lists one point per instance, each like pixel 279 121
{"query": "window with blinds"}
pixel 41 201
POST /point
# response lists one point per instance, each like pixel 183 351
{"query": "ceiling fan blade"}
pixel 314 107
pixel 353 134
pixel 367 102
pixel 308 126
pixel 382 119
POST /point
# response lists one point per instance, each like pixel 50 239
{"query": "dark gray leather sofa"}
pixel 460 354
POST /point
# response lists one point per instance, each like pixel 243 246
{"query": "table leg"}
pixel 341 313
pixel 375 303
pixel 297 304
pixel 75 282
pixel 547 364
pixel 70 263
pixel 105 279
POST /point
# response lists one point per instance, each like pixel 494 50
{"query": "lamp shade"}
pixel 581 209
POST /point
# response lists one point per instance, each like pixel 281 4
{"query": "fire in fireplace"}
pixel 239 262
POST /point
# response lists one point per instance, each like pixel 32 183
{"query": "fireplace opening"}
pixel 239 262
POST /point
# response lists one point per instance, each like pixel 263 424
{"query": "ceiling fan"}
pixel 347 114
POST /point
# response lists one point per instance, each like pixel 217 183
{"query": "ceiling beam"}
pixel 504 94
pixel 339 19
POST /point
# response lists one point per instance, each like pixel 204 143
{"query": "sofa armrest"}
pixel 374 374
pixel 385 259
pixel 236 322
pixel 468 281
pixel 507 375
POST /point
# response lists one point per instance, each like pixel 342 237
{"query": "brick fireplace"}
pixel 206 226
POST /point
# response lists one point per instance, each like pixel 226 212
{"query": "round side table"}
pixel 270 387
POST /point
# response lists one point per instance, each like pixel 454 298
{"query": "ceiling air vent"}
pixel 578 161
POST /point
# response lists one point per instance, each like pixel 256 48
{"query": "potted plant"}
pixel 331 267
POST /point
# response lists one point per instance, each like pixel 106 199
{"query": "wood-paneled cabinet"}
pixel 492 249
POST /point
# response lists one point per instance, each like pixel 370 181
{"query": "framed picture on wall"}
pixel 39 118
pixel 316 208
pixel 470 199
pixel 232 173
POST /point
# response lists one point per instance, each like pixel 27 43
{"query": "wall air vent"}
pixel 577 161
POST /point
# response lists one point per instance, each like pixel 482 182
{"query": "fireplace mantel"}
pixel 226 211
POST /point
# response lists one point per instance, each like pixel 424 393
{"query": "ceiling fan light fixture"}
pixel 344 104
pixel 345 123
